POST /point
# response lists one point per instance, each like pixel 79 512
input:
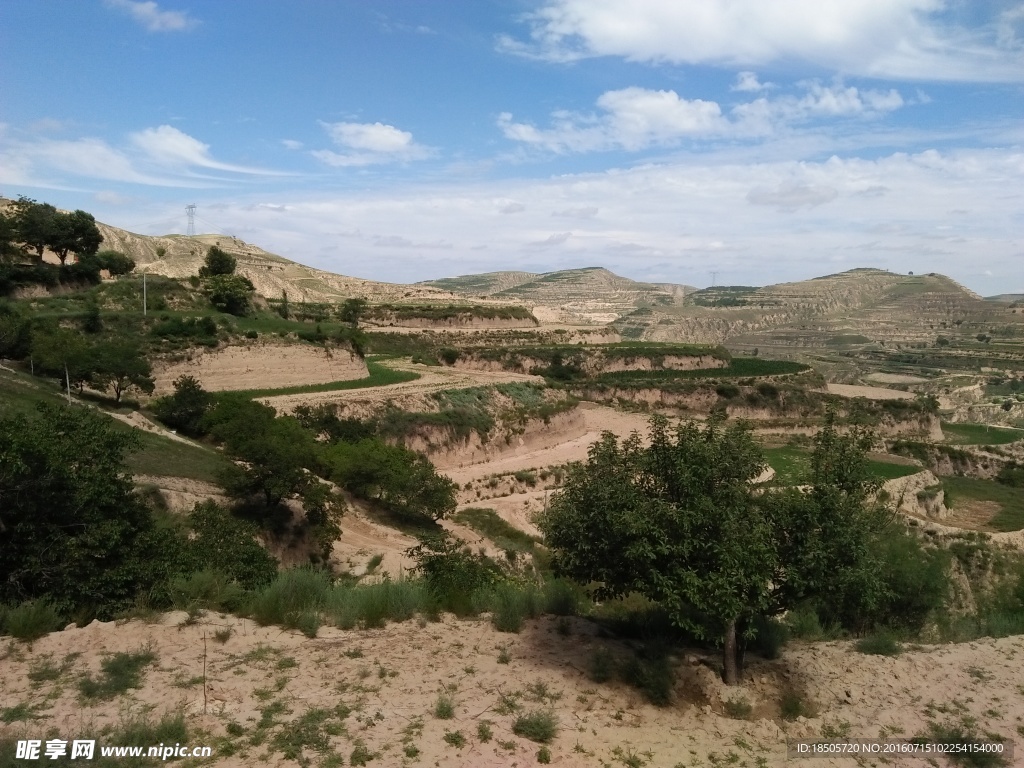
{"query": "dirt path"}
pixel 871 393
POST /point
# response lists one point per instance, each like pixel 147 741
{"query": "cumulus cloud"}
pixel 369 144
pixel 914 39
pixel 148 14
pixel 747 81
pixel 636 118
pixel 790 196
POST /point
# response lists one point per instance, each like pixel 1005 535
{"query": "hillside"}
pixel 587 295
pixel 858 306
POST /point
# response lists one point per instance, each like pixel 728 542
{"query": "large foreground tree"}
pixel 681 522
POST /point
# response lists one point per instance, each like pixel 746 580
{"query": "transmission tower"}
pixel 714 275
pixel 190 211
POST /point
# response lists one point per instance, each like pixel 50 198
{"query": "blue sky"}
pixel 408 140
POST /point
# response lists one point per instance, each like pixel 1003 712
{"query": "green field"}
pixel 980 434
pixel 793 466
pixel 380 376
pixel 1011 500
pixel 157 455
pixel 740 367
pixel 486 521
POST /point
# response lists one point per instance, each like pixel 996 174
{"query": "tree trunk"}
pixel 730 672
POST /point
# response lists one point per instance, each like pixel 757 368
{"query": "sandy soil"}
pixel 872 393
pixel 390 679
pixel 262 366
pixel 895 378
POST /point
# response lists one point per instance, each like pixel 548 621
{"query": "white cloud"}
pixel 291 144
pixel 759 222
pixel 161 156
pixel 165 145
pixel 914 39
pixel 790 196
pixel 747 81
pixel 369 144
pixel 584 212
pixel 636 118
pixel 148 14
pixel 512 207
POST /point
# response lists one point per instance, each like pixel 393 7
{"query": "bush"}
pixel 119 673
pixel 511 604
pixel 444 707
pixel 539 725
pixel 454 574
pixel 562 598
pixel 373 605
pixel 209 589
pixel 738 709
pixel 295 599
pixel 30 620
pixel 651 673
pixel 602 666
pixel 881 643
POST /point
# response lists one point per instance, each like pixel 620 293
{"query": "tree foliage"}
pixel 184 409
pixel 119 365
pixel 218 262
pixel 40 226
pixel 230 293
pixel 403 480
pixel 73 530
pixel 115 262
pixel 680 522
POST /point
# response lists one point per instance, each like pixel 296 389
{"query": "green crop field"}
pixel 793 466
pixel 380 376
pixel 1010 516
pixel 980 434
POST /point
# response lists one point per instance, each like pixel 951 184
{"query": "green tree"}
pixel 73 529
pixel 9 250
pixel 15 331
pixel 230 293
pixel 401 479
pixel 74 232
pixel 34 223
pixel 351 311
pixel 115 262
pixel 680 522
pixel 227 544
pixel 274 452
pixel 120 365
pixel 217 262
pixel 184 409
pixel 63 354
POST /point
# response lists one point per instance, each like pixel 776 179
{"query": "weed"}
pixel 484 731
pixel 44 670
pixel 504 657
pixel 361 755
pixel 234 729
pixel 30 620
pixel 963 732
pixel 507 703
pixel 444 707
pixel 544 755
pixel 563 627
pixel 455 738
pixel 119 673
pixel 792 706
pixel 222 635
pixel 374 563
pixel 18 713
pixel 539 725
pixel 651 673
pixel 881 643
pixel 539 692
pixel 286 662
pixel 354 653
pixel 738 709
pixel 602 666
pixel 628 757
pixel 411 750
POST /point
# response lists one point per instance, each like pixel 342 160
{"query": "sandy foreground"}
pixel 389 680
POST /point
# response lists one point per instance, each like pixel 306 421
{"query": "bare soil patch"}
pixel 262 680
pixel 871 393
pixel 262 366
